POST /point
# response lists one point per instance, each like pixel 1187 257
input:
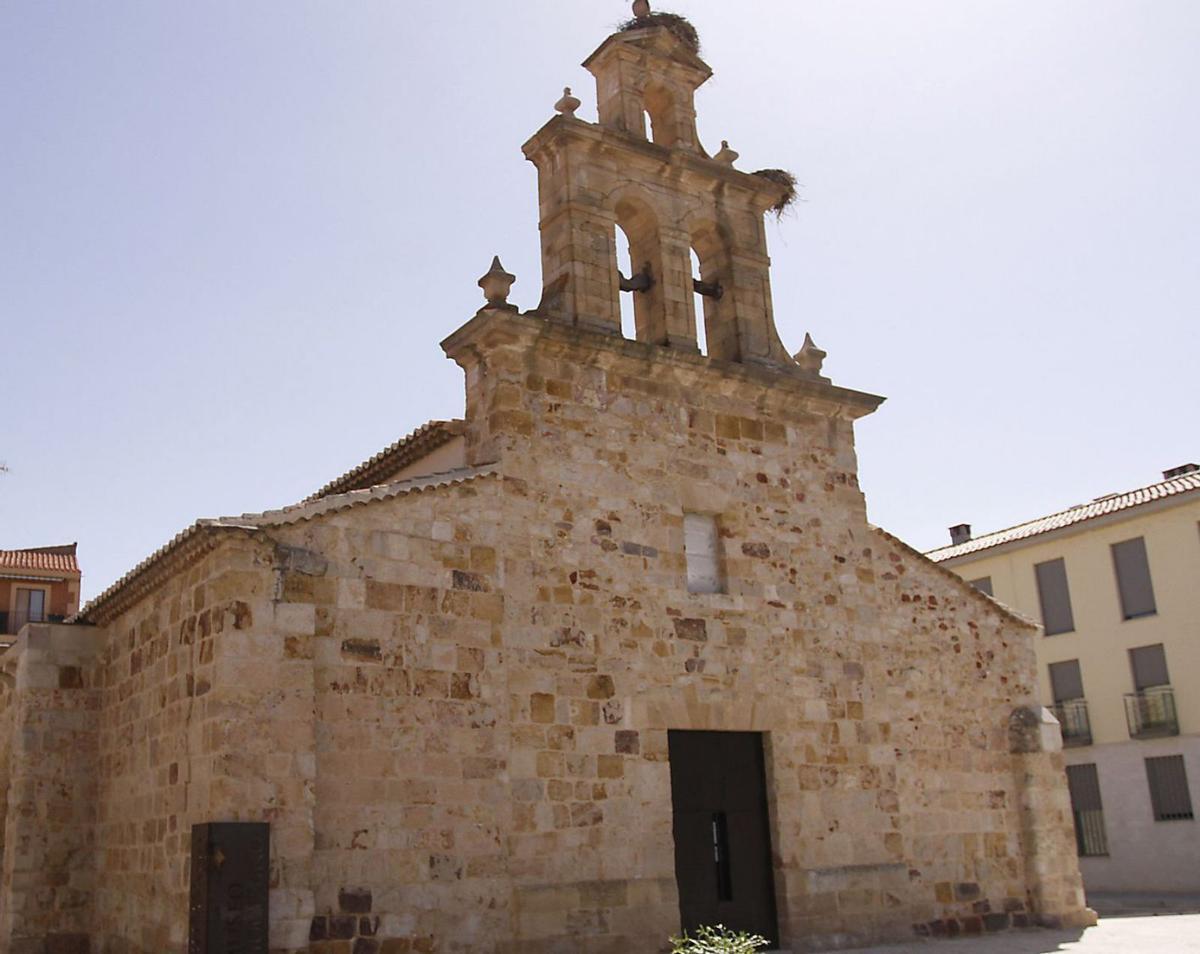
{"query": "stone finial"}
pixel 641 9
pixel 496 284
pixel 568 104
pixel 810 357
pixel 726 156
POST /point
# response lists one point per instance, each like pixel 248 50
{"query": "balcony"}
pixel 1073 718
pixel 1151 713
pixel 12 623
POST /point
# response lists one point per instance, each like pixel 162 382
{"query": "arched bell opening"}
pixel 716 315
pixel 660 108
pixel 643 283
pixel 699 305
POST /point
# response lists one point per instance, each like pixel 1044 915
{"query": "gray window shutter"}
pixel 1169 795
pixel 1149 665
pixel 1054 596
pixel 1066 681
pixel 1084 786
pixel 984 585
pixel 1133 578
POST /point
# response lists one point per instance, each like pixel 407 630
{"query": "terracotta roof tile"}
pixel 394 458
pixel 58 559
pixel 147 573
pixel 1188 483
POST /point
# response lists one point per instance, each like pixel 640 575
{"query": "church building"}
pixel 617 654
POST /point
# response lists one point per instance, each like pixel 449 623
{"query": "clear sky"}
pixel 232 233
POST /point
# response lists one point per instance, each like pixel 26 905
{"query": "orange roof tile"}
pixel 59 559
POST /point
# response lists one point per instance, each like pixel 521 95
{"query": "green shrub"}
pixel 717 940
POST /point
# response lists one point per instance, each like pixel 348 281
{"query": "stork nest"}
pixel 680 27
pixel 788 181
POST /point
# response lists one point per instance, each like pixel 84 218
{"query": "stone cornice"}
pixel 492 328
pixel 566 130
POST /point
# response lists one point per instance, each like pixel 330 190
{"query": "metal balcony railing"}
pixel 1073 718
pixel 1151 713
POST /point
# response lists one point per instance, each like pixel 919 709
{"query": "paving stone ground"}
pixel 1137 934
pixel 1129 924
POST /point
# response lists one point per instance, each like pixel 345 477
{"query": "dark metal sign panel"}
pixel 230 884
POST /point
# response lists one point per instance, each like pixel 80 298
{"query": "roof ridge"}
pixel 314 506
pixel 436 432
pixel 1109 503
pixel 958 580
pixel 251 523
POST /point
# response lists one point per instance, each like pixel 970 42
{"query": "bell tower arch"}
pixel 655 180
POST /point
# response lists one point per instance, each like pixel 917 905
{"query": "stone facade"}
pixel 450 695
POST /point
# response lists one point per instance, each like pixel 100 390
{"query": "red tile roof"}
pixel 58 559
pixel 1187 483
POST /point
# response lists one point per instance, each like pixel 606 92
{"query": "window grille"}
pixel 1169 796
pixel 1087 810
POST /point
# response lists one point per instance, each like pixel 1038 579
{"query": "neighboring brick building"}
pixel 37 585
pixel 617 651
pixel 1115 583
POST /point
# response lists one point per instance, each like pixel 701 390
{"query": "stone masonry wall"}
pixel 184 674
pixel 497 667
pixel 49 865
pixel 453 705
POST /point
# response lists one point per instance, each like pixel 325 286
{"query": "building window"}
pixel 31 607
pixel 1066 684
pixel 1149 664
pixel 1169 794
pixel 1066 681
pixel 702 548
pixel 1133 578
pixel 1054 596
pixel 1087 810
pixel 984 585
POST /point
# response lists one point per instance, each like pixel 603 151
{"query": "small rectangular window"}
pixel 1066 681
pixel 1084 785
pixel 702 548
pixel 1055 596
pixel 1133 578
pixel 1149 665
pixel 984 585
pixel 1169 796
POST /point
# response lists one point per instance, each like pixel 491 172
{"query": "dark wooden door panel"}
pixel 722 833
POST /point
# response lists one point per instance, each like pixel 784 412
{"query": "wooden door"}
pixel 722 832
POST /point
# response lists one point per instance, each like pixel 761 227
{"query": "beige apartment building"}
pixel 1115 584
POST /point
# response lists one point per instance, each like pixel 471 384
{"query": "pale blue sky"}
pixel 233 234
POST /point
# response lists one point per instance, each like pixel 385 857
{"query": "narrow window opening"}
pixel 984 585
pixel 1169 795
pixel 700 305
pixel 625 267
pixel 1091 839
pixel 1133 578
pixel 702 550
pixel 1055 596
pixel 720 830
pixel 649 120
